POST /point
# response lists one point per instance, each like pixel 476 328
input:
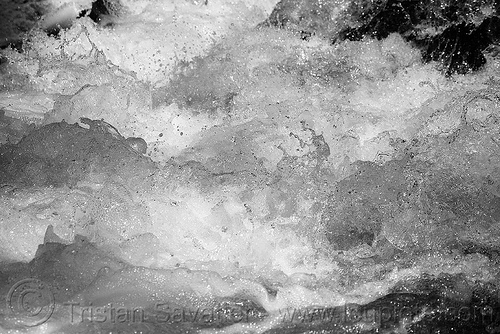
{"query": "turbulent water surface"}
pixel 250 167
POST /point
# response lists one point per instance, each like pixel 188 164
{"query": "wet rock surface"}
pixel 454 34
pixel 18 17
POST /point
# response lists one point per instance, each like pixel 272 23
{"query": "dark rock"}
pixel 103 11
pixel 408 18
pixel 491 28
pixel 458 45
pixel 17 17
pixel 392 16
pixel 459 48
pixel 98 10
